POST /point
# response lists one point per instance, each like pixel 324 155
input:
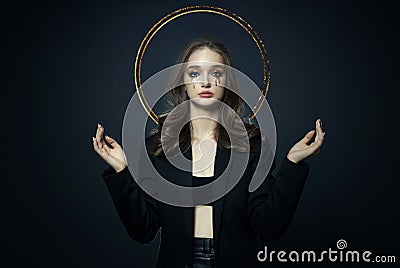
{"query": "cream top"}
pixel 203 159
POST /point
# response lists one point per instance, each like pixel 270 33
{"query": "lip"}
pixel 206 94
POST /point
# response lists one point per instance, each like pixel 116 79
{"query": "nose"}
pixel 206 84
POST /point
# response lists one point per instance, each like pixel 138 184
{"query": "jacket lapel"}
pixel 221 162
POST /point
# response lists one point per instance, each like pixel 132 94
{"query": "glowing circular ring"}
pixel 201 9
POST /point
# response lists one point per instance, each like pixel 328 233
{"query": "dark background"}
pixel 72 67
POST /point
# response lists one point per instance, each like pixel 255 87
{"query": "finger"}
pixel 312 148
pixel 105 146
pixel 308 136
pixel 111 141
pixel 318 130
pixel 96 146
pixel 98 132
pixel 100 138
pixel 102 152
pixel 316 145
pixel 319 127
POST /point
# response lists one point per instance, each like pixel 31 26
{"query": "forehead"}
pixel 205 54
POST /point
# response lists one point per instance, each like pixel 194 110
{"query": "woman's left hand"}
pixel 301 150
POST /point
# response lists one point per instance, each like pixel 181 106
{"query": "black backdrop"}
pixel 72 66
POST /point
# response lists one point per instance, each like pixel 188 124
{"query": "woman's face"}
pixel 205 76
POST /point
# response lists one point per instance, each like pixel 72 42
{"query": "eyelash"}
pixel 216 72
pixel 196 74
pixel 193 74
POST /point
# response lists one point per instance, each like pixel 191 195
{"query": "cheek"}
pixel 189 86
pixel 222 80
pixel 220 93
pixel 186 79
pixel 190 90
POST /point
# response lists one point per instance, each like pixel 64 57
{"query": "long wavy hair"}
pixel 177 98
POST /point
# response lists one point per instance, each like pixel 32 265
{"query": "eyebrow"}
pixel 198 66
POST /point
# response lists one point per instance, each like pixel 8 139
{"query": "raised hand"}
pixel 301 150
pixel 114 155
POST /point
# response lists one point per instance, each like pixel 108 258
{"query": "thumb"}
pixel 111 141
pixel 308 136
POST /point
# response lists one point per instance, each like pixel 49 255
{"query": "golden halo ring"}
pixel 201 9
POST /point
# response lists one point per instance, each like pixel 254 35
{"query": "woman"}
pixel 226 232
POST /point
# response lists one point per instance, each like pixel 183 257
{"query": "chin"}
pixel 206 102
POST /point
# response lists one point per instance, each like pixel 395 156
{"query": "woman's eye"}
pixel 217 74
pixel 193 74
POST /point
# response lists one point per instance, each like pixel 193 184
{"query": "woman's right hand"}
pixel 115 155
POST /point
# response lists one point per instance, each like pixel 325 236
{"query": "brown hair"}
pixel 178 95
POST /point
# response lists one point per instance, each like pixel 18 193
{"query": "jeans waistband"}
pixel 203 245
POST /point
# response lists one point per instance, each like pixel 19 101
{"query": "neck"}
pixel 203 123
pixel 203 128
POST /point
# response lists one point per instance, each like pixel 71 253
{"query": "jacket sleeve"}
pixel 138 211
pixel 272 205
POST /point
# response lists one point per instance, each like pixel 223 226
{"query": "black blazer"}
pixel 241 220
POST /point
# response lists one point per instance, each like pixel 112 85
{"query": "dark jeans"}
pixel 203 253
